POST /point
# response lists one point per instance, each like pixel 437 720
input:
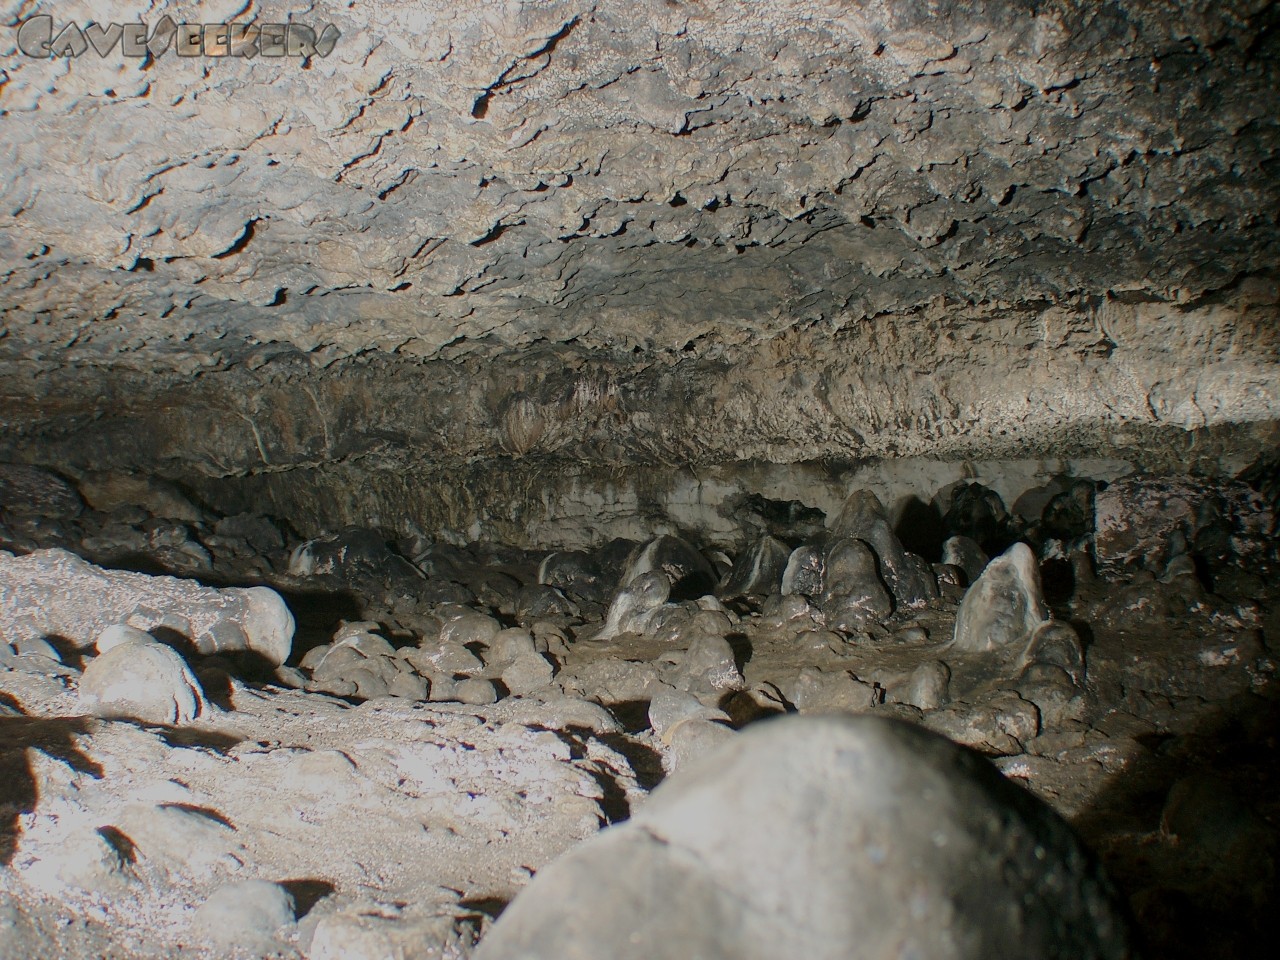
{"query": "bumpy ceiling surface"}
pixel 647 181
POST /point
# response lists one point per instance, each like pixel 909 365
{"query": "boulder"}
pixel 142 681
pixel 55 593
pixel 823 838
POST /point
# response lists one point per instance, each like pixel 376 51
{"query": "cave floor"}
pixel 393 821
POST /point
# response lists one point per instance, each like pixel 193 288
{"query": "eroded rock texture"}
pixel 506 234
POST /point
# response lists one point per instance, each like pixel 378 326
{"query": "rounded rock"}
pixel 142 681
pixel 247 914
pixel 119 635
pixel 883 840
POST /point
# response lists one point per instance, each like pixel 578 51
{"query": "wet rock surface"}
pixel 449 742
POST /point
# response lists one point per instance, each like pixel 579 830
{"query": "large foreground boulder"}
pixel 823 837
pixel 53 593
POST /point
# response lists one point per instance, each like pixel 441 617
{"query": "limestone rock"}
pixel 1000 724
pixel 804 573
pixel 1002 609
pixel 55 593
pixel 576 572
pixel 977 513
pixel 864 816
pixel 1057 643
pixel 909 578
pixel 964 552
pixel 528 673
pixel 475 691
pixel 142 681
pixel 353 556
pixel 636 604
pixel 31 491
pixel 853 593
pixel 1137 520
pixel 688 572
pixel 388 935
pixel 86 860
pixel 758 570
pixel 119 635
pixel 928 686
pixel 246 915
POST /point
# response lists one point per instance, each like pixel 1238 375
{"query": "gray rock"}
pixel 691 740
pixel 964 552
pixel 528 673
pixel 366 644
pixel 85 860
pixel 1057 643
pixel 246 915
pixel 470 626
pixel 909 579
pixel 507 645
pixel 635 605
pixel 451 659
pixel 709 665
pixel 1144 522
pixel 672 707
pixel 758 570
pixel 409 686
pixel 1005 605
pixel 132 497
pixel 119 635
pixel 258 533
pixel 1000 724
pixel 373 935
pixel 537 601
pixel 927 687
pixel 38 647
pixel 1052 691
pixel 853 593
pixel 34 492
pixel 475 691
pixel 688 572
pixel 190 841
pixel 976 512
pixel 883 840
pixel 55 593
pixel 576 573
pixel 804 572
pixel 370 683
pixel 819 691
pixel 142 681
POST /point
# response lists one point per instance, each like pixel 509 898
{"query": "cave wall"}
pixel 491 260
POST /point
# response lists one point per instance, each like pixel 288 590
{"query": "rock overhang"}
pixel 644 232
